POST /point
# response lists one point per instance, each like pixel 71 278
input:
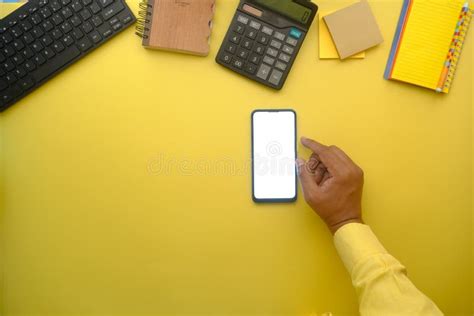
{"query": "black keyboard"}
pixel 44 36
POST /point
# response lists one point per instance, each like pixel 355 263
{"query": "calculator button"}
pixel 254 58
pixel 231 48
pixel 280 65
pixel 237 63
pixel 247 44
pixel 279 36
pixel 269 60
pixel 243 19
pixel 242 53
pixel 275 44
pixel 250 68
pixel 259 49
pixel 255 25
pixel 262 39
pixel 291 41
pixel 295 33
pixel 251 33
pixel 263 71
pixel 235 39
pixel 239 28
pixel 275 77
pixel 272 52
pixel 287 49
pixel 267 30
pixel 284 57
pixel 226 58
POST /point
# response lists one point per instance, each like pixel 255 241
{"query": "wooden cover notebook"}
pixel 428 43
pixel 176 25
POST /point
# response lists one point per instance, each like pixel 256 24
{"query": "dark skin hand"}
pixel 332 184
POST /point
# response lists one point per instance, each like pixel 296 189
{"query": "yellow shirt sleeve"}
pixel 380 280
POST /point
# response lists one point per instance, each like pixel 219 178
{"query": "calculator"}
pixel 265 37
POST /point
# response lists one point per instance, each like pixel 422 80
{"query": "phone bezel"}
pixel 282 200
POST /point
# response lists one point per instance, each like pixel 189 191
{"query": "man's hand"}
pixel 332 184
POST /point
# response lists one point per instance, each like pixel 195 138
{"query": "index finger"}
pixel 327 156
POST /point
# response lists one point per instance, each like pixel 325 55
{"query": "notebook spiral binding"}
pixel 458 40
pixel 143 21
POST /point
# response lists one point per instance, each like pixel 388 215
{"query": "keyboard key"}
pixel 267 30
pixel 26 83
pixel 46 40
pixel 251 33
pixel 242 53
pixel 86 2
pixel 36 19
pixel 57 34
pixel 56 6
pixel 30 66
pixel 76 6
pixel 247 44
pixel 294 32
pixel 95 8
pixel 85 14
pixel 8 94
pixel 112 10
pixel 275 44
pixel 95 37
pixel 38 32
pixel 275 77
pixel 263 71
pixel 250 68
pixel 87 27
pixel 243 19
pixel 237 63
pixel 59 61
pixel 105 30
pixel 18 59
pixel 11 78
pixel 284 57
pixel 279 36
pixel 77 34
pixel 45 13
pixel 68 41
pixel 263 39
pixel 259 49
pixel 47 26
pixel 105 3
pixel 84 44
pixel 66 27
pixel 9 51
pixel 272 52
pixel 39 59
pixel 28 53
pixel 17 31
pixel 231 48
pixel 269 60
pixel 96 20
pixel 291 41
pixel 48 53
pixel 58 47
pixel 18 44
pixel 76 21
pixel 226 58
pixel 235 39
pixel 66 12
pixel 6 38
pixel 125 17
pixel 20 72
pixel 255 25
pixel 239 28
pixel 28 38
pixel 113 20
pixel 117 26
pixel 254 58
pixel 288 50
pixel 37 46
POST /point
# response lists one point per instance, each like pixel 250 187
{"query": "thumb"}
pixel 306 178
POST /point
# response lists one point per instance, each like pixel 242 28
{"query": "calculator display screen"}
pixel 288 8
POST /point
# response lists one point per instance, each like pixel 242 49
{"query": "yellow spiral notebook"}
pixel 428 43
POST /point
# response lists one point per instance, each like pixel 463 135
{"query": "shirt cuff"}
pixel 355 242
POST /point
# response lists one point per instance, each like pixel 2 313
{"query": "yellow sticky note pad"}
pixel 327 49
pixel 7 8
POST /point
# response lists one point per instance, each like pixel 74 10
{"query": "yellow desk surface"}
pixel 126 189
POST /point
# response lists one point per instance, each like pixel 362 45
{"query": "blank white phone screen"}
pixel 274 154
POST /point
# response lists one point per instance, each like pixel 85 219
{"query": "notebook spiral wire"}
pixel 143 20
pixel 464 25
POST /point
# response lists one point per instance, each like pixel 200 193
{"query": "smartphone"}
pixel 274 156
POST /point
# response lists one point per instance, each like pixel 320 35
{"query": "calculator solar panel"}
pixel 261 44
